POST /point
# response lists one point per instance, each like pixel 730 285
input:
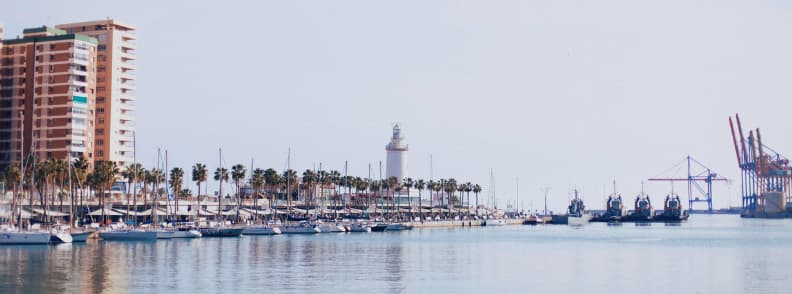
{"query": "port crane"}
pixel 762 169
pixel 697 173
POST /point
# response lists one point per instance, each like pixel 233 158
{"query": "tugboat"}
pixel 614 210
pixel 643 210
pixel 672 210
pixel 577 215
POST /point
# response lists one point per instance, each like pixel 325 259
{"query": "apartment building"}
pixel 115 123
pixel 47 95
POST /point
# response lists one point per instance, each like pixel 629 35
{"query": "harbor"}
pixel 470 259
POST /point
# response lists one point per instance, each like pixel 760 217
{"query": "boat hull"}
pixel 299 230
pixel 261 231
pixel 81 236
pixel 60 237
pixel 187 234
pixel 24 238
pixel 578 220
pixel 493 223
pixel 221 232
pixel 379 228
pixel 128 236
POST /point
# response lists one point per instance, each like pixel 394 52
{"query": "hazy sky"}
pixel 561 94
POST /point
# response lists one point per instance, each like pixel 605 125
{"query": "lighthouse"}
pixel 396 164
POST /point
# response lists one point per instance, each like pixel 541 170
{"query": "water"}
pixel 710 254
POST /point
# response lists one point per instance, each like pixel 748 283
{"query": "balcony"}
pixel 127 97
pixel 126 117
pixel 127 56
pixel 127 107
pixel 128 86
pixel 125 76
pixel 127 65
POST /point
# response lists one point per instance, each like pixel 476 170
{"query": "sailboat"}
pixel 220 230
pixel 13 235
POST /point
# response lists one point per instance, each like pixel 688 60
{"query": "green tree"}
pixel 238 175
pixel 220 175
pixel 199 175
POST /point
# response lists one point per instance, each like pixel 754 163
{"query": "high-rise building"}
pixel 115 124
pixel 47 95
pixel 396 164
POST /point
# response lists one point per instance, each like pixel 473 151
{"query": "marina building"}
pixel 115 123
pixel 47 95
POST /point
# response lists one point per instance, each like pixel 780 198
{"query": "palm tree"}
pixel 12 177
pixel 106 173
pixel 289 181
pixel 134 173
pixel 257 181
pixel 468 188
pixel 156 177
pixel 199 175
pixel 80 175
pixel 409 183
pixel 420 185
pixel 238 175
pixel 393 184
pixel 309 179
pixel 476 190
pixel 176 184
pixel 272 179
pixel 449 187
pixel 221 175
pixel 433 187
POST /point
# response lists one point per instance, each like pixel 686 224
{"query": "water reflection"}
pixel 706 255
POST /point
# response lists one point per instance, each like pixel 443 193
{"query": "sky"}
pixel 542 94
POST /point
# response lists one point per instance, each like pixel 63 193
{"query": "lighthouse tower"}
pixel 396 164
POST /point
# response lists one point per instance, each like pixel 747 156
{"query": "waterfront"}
pixel 718 253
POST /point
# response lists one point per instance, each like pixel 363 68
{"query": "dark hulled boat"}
pixel 221 232
pixel 642 211
pixel 614 210
pixel 672 210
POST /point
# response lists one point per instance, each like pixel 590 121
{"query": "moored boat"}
pixel 359 228
pixel 672 210
pixel 494 222
pixel 398 227
pixel 303 227
pixel 614 210
pixel 331 228
pixel 186 233
pixel 261 230
pixel 577 215
pixel 642 211
pixel 58 237
pixel 221 232
pixel 379 227
pixel 81 236
pixel 128 235
pixel 24 238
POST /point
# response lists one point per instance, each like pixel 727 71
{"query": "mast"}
pixel 288 183
pixel 220 193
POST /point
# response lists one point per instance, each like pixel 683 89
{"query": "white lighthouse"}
pixel 396 164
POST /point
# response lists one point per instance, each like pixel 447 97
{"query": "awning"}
pixel 109 212
pixel 49 212
pixel 147 212
pixel 258 212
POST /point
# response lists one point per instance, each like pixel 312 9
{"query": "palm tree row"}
pixel 52 178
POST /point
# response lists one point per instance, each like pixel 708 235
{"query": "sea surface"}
pixel 709 254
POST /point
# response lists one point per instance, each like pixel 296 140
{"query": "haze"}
pixel 561 94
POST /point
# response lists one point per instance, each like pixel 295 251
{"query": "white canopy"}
pixel 49 212
pixel 109 212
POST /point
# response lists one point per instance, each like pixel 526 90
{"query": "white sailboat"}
pixel 261 230
pixel 14 237
pixel 302 228
pixel 128 235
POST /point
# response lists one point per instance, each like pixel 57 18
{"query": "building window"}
pixel 101 47
pixel 100 142
pixel 100 110
pixel 100 89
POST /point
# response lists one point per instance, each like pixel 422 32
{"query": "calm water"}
pixel 710 254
